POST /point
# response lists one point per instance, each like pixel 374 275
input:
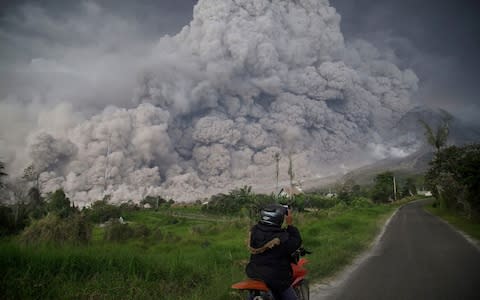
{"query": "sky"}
pixel 148 97
pixel 439 40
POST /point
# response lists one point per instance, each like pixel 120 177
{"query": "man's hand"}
pixel 289 217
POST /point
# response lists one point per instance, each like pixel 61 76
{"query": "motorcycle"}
pixel 258 290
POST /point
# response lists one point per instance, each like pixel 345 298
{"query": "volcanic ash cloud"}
pixel 244 80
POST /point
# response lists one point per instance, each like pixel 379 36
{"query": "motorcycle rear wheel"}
pixel 259 295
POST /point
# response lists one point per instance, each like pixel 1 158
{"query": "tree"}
pixel 153 201
pixel 439 138
pixel 31 174
pixel 59 204
pixel 233 202
pixel 345 191
pixel 2 174
pixel 409 189
pixel 383 188
pixel 101 211
pixel 453 178
pixel 36 205
pixel 356 190
pixel 7 225
pixel 19 210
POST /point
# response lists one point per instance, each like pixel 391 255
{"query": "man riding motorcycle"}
pixel 271 248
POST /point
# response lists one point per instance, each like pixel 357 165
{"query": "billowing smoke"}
pixel 212 105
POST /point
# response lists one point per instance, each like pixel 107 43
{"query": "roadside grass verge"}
pixel 337 237
pixel 182 258
pixel 469 226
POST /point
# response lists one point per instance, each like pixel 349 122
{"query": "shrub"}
pixel 14 218
pixel 199 229
pixel 157 234
pixel 141 231
pixel 453 178
pixel 361 202
pixel 153 201
pixel 205 229
pixel 101 211
pixel 117 232
pixel 319 202
pixel 383 189
pixel 59 204
pixel 53 229
pixel 7 224
pixel 298 202
pixel 172 237
pixel 172 220
pixel 129 206
pixel 340 206
pixel 233 202
pixel 409 189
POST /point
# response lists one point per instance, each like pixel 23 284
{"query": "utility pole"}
pixel 394 189
pixel 276 156
pixel 290 171
pixel 107 154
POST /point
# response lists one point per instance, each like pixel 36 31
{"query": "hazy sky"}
pixel 439 39
pixel 78 80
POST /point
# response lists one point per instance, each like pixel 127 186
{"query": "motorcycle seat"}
pixel 250 284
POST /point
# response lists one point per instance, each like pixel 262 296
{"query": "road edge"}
pixel 324 289
pixel 471 240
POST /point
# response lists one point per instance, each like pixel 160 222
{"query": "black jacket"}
pixel 272 265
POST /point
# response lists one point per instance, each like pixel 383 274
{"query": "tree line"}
pixel 244 202
pixel 454 173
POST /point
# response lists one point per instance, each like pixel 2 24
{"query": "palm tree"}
pixel 31 174
pixel 439 138
pixel 2 174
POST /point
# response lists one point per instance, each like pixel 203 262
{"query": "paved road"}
pixel 419 257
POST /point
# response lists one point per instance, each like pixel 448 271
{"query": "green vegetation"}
pixel 237 202
pixel 453 178
pixel 159 249
pixel 2 174
pixel 56 230
pixel 101 211
pixel 409 188
pixel 59 204
pixel 174 253
pixel 383 189
pixel 467 225
pixel 339 234
pixel 454 172
pixel 438 138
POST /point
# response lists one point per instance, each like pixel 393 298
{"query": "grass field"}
pixel 469 226
pixel 187 255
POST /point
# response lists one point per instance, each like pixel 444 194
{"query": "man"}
pixel 271 247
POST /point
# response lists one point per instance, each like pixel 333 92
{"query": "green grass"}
pixel 469 226
pixel 190 257
pixel 337 237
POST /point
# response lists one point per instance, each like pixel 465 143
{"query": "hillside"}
pixel 414 164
